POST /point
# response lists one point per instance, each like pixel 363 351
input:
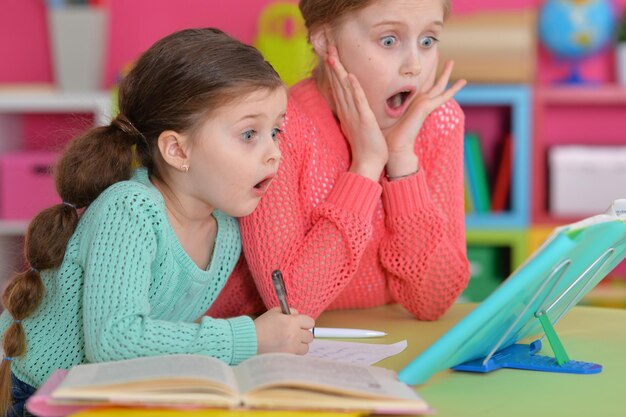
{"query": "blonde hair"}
pixel 327 12
pixel 317 13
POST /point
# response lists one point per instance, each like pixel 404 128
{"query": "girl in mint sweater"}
pixel 129 262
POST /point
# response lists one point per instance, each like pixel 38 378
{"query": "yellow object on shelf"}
pixel 282 39
pixel 536 237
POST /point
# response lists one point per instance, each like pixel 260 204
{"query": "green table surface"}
pixel 588 334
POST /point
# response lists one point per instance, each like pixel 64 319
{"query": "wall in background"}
pixel 134 25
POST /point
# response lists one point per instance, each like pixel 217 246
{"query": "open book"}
pixel 615 213
pixel 270 381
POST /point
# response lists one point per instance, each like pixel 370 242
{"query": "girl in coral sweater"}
pixel 367 207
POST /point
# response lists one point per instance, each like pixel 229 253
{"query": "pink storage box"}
pixel 26 184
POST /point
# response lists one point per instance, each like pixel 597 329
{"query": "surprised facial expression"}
pixel 391 47
pixel 236 153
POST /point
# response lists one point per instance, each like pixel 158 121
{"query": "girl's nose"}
pixel 273 154
pixel 411 66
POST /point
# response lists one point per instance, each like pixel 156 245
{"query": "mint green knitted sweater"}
pixel 126 288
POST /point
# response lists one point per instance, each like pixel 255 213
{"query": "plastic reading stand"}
pixel 529 303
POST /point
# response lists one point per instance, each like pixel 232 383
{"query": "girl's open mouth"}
pixel 261 187
pixel 397 103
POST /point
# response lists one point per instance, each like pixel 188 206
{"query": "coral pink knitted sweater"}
pixel 345 241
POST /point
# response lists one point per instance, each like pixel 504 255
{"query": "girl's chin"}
pixel 386 122
pixel 241 210
pixel 247 210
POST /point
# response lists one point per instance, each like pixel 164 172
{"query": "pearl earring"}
pixel 184 167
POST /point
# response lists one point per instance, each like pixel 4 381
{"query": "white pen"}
pixel 345 333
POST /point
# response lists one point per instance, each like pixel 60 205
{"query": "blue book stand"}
pixel 529 303
pixel 520 356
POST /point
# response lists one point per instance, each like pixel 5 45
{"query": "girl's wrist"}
pixel 403 165
pixel 390 178
pixel 371 170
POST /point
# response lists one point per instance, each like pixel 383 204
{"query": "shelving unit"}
pixel 561 115
pixel 493 112
pixel 514 100
pixel 13 227
pixel 515 240
pixel 571 115
pixel 15 102
pixel 22 101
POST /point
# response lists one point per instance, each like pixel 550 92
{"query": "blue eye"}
pixel 388 41
pixel 276 134
pixel 248 135
pixel 428 42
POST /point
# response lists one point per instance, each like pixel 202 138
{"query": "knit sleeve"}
pixel 424 250
pixel 117 317
pixel 316 244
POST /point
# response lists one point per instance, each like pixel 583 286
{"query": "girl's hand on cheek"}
pixel 401 137
pixel 358 123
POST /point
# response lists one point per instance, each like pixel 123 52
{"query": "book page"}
pixel 354 352
pixel 145 371
pixel 293 371
pixel 617 211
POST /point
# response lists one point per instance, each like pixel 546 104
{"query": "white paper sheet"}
pixel 354 352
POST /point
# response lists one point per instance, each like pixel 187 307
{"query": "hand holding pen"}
pixel 281 293
pixel 283 330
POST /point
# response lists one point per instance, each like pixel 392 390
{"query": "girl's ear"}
pixel 319 41
pixel 173 147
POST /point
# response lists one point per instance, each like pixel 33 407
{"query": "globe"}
pixel 576 29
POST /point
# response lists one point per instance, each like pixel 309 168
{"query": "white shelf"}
pixel 581 95
pixel 28 100
pixel 16 100
pixel 13 227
